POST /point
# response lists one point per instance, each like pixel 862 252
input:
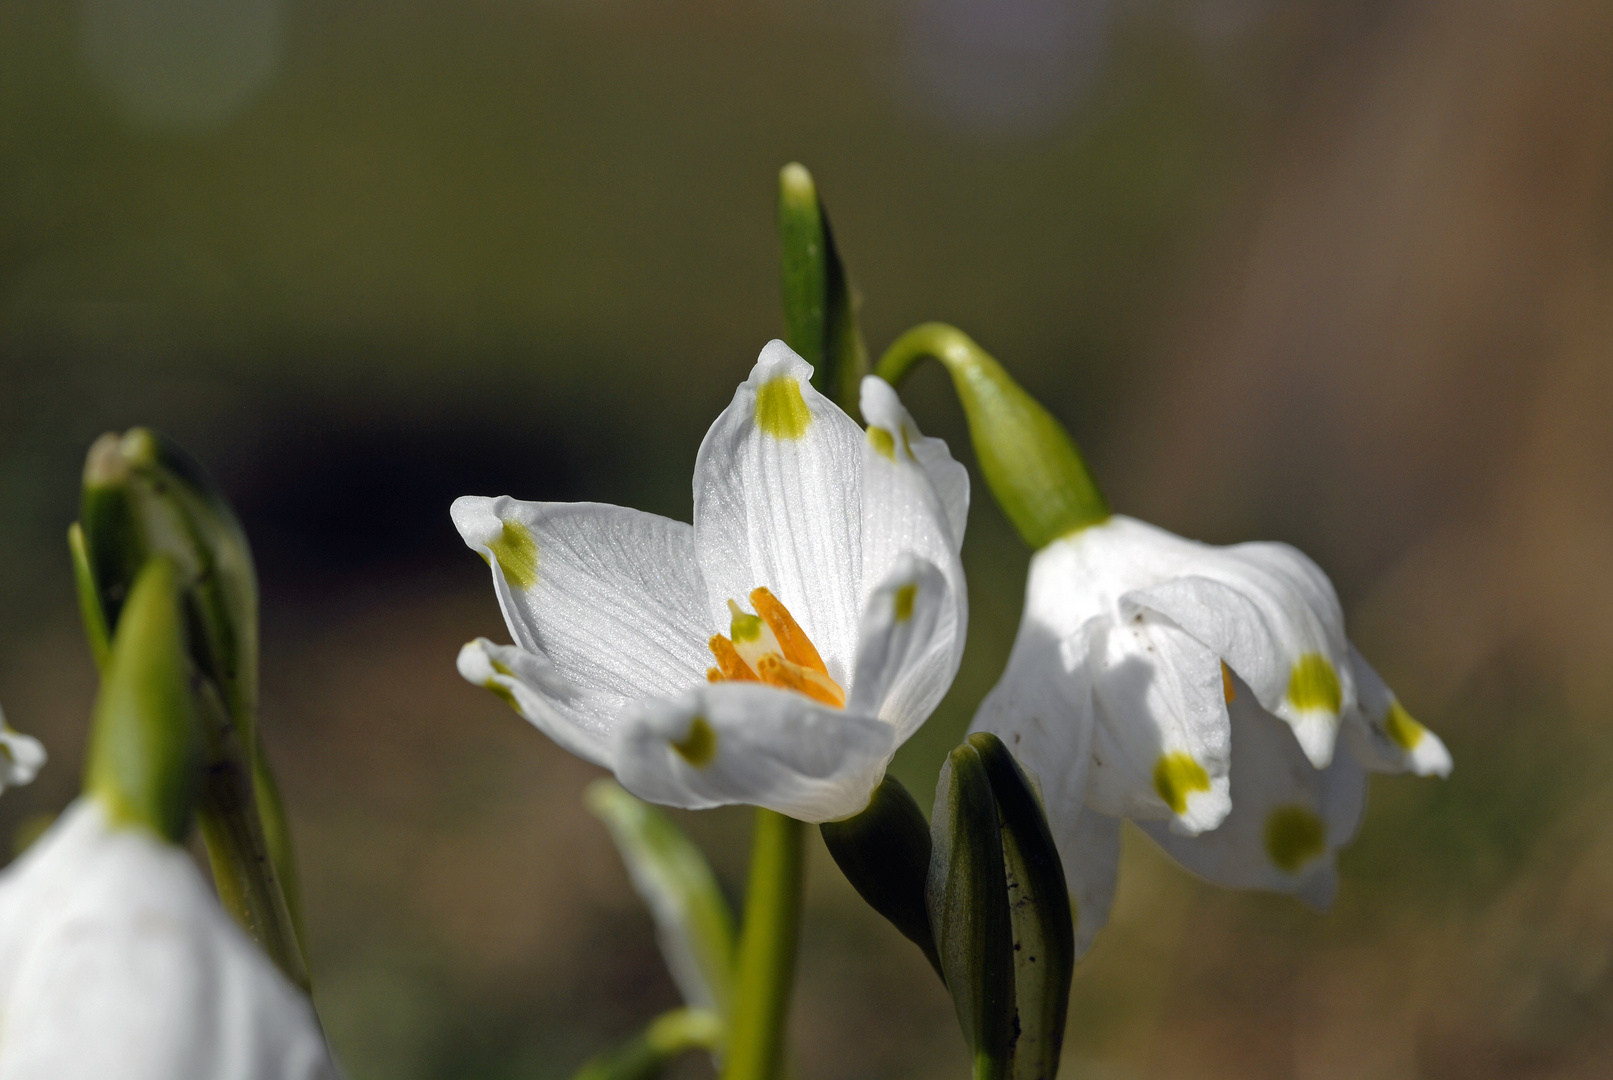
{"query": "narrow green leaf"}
pixel 89 597
pixel 967 895
pixel 885 854
pixel 1039 907
pixel 668 1035
pixel 143 755
pixel 693 921
pixel 820 301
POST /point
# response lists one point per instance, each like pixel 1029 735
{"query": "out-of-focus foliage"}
pixel 1339 274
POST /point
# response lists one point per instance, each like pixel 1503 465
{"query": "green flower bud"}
pixel 144 755
pixel 1029 461
pixel 820 303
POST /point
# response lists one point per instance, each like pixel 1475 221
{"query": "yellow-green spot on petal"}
pixel 699 746
pixel 904 601
pixel 1405 731
pixel 501 667
pixel 882 442
pixel 1294 836
pixel 517 552
pixel 743 626
pixel 780 409
pixel 1314 684
pixel 504 692
pixel 1177 775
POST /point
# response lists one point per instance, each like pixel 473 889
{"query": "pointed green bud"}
pixel 820 302
pixel 885 854
pixel 695 925
pixel 967 895
pixel 1029 461
pixel 143 496
pixel 144 756
pixel 1039 906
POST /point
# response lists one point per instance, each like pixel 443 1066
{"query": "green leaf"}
pixel 885 854
pixel 668 1035
pixel 967 895
pixel 89 597
pixel 143 758
pixel 1039 907
pixel 820 301
pixel 693 920
pixel 1031 464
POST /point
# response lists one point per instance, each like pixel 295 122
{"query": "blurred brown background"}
pixel 1334 273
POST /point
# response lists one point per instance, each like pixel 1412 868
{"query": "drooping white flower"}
pixel 774 653
pixel 116 960
pixel 1200 691
pixel 21 756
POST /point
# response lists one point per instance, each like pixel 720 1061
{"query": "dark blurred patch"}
pixel 335 503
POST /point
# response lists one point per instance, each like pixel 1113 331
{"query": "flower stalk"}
pixel 767 945
pixel 1031 464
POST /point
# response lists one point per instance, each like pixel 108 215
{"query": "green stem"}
pixel 767 946
pixel 670 1034
pixel 1028 459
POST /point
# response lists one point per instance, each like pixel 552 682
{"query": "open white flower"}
pixel 777 651
pixel 116 960
pixel 1176 683
pixel 21 756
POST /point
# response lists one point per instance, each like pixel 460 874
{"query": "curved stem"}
pixel 1029 460
pixel 767 946
pixel 670 1034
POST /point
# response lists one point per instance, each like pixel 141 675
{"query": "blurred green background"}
pixel 1339 274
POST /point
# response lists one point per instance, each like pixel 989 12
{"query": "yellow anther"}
pixel 1226 683
pixel 794 645
pixel 771 647
pixel 774 670
pixel 731 666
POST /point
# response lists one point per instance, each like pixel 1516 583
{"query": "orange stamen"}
pixel 798 648
pixel 1226 682
pixel 777 671
pixel 729 664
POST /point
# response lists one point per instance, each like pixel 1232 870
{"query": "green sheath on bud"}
pixel 885 854
pixel 1039 906
pixel 1030 462
pixel 968 903
pixel 143 752
pixel 820 303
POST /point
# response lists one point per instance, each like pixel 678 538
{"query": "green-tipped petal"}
pixel 885 854
pixel 967 895
pixel 143 753
pixel 693 920
pixel 1030 462
pixel 1039 905
pixel 820 303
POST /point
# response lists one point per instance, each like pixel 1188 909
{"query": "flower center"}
pixel 770 647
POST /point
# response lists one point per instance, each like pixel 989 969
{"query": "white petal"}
pixel 882 408
pixel 1160 742
pixel 1288 817
pixel 778 503
pixel 582 722
pixel 1089 848
pixel 611 596
pixel 1272 615
pixel 908 649
pixel 21 756
pixel 116 960
pixel 1383 734
pixel 1042 710
pixel 746 743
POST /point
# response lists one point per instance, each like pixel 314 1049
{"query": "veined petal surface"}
pixel 778 503
pixel 612 596
pixel 582 722
pixel 908 647
pixel 1288 817
pixel 1383 735
pixel 116 960
pixel 1089 848
pixel 747 743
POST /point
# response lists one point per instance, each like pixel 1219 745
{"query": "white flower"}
pixel 116 960
pixel 634 646
pixel 1196 688
pixel 21 756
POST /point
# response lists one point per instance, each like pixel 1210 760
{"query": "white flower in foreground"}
pixel 117 961
pixel 1196 688
pixel 21 756
pixel 774 653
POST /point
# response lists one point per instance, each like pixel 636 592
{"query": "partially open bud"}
pixel 1030 462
